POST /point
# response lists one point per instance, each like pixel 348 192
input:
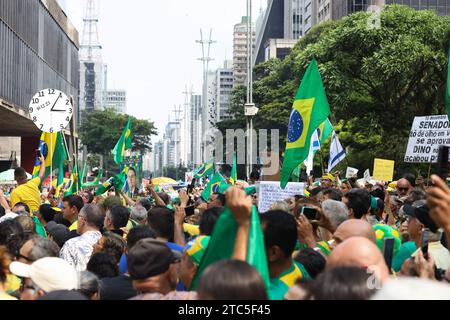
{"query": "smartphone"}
pixel 442 163
pixel 425 240
pixel 309 213
pixel 388 251
pixel 38 153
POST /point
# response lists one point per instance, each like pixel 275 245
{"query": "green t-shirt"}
pixel 279 286
pixel 403 254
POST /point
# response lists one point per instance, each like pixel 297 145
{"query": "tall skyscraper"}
pixel 281 25
pixel 240 36
pixel 224 88
pixel 92 69
pixel 193 129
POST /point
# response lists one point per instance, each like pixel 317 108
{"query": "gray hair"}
pixel 138 213
pixel 435 236
pixel 335 211
pixel 280 205
pixel 89 284
pixel 42 248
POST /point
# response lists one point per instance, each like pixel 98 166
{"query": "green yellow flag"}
pixel 52 148
pixel 205 170
pixel 124 143
pixel 447 89
pixel 233 175
pixel 213 186
pixel 96 181
pixel 310 109
pixel 221 245
pixel 105 186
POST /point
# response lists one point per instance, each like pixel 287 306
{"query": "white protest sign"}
pixel 367 177
pixel 270 192
pixel 351 172
pixel 427 134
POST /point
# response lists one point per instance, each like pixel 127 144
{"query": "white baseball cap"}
pixel 49 274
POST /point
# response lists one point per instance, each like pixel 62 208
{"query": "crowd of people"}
pixel 329 242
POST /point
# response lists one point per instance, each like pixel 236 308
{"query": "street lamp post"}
pixel 250 108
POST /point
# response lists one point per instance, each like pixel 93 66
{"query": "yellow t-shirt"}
pixel 28 193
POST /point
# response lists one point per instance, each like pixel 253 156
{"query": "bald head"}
pixel 359 252
pixel 354 228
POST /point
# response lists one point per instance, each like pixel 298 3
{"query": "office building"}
pixel 116 100
pixel 346 7
pixel 240 53
pixel 285 21
pixel 224 88
pixel 39 50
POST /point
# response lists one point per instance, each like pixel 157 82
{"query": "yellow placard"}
pixel 383 170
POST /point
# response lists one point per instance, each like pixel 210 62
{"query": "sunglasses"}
pixel 25 258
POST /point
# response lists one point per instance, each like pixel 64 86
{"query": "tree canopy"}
pixel 101 129
pixel 376 80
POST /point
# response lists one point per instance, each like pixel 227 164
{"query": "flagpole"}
pixel 51 162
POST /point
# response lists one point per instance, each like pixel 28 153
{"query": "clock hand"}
pixel 55 104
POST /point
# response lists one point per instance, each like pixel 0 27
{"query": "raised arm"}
pixel 240 206
pixel 42 169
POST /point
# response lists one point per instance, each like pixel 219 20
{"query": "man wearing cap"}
pixel 44 276
pixel 190 260
pixel 418 220
pixel 153 268
pixel 58 233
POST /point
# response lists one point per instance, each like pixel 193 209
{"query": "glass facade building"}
pixel 35 52
pixel 342 8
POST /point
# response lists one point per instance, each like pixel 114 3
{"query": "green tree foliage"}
pixel 376 79
pixel 100 130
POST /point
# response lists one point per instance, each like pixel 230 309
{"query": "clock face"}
pixel 50 110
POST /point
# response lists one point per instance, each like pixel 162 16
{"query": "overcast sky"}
pixel 150 49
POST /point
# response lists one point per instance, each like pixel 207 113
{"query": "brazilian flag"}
pixel 213 186
pixel 309 111
pixel 96 181
pixel 52 148
pixel 205 170
pixel 117 182
pixel 105 186
pixel 124 143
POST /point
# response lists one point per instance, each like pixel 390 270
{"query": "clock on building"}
pixel 50 110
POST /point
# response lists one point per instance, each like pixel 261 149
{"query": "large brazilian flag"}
pixel 52 148
pixel 309 111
